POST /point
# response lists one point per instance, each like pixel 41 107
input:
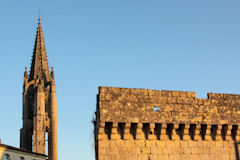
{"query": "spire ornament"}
pixel 52 73
pixel 39 66
pixel 25 73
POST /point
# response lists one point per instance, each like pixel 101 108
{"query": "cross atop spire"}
pixel 39 66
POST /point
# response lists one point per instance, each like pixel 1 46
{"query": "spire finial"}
pixel 39 13
pixel 39 66
pixel 39 19
pixel 25 73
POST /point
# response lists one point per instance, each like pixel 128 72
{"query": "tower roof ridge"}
pixel 39 66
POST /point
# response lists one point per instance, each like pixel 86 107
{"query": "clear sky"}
pixel 189 45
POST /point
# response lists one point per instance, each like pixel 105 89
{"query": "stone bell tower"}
pixel 39 103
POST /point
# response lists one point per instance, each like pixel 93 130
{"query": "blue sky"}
pixel 184 45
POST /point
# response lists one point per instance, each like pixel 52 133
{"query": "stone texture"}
pixel 165 125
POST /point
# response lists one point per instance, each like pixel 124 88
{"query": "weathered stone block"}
pixel 206 150
pixel 112 143
pixel 192 144
pixel 175 157
pixel 167 150
pixel 214 156
pixel 163 157
pixel 232 157
pixel 156 150
pixel 128 143
pixel 204 157
pixel 150 143
pixel 187 150
pixel 140 142
pixel 183 144
pixel 145 150
pixel 219 143
pixel 153 157
pixel 184 156
pixel 195 157
pixel 112 150
pixel 136 150
pixel 132 157
pixel 196 150
pixel 175 144
pixel 224 157
pixel 178 150
pixel 142 157
pixel 120 143
pixel 103 143
pixel 160 143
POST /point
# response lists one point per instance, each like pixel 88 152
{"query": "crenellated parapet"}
pixel 153 124
pixel 152 106
pixel 168 131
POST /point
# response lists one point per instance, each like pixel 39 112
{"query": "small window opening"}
pixel 203 131
pixel 192 131
pixel 214 132
pixel 21 158
pixel 180 131
pixel 155 109
pixel 133 130
pixel 146 129
pixel 6 157
pixel 169 130
pixel 157 130
pixel 234 132
pixel 108 129
pixel 224 131
pixel 120 129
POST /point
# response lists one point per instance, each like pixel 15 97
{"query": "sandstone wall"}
pixel 142 124
pixel 166 150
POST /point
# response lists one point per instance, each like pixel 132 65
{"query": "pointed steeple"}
pixel 39 66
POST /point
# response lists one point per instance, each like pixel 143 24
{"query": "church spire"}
pixel 39 103
pixel 39 66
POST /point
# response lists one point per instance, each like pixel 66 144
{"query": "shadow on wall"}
pixel 236 144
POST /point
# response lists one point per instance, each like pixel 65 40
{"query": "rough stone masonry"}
pixel 144 124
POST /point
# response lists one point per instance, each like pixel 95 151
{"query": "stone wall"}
pixel 143 124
